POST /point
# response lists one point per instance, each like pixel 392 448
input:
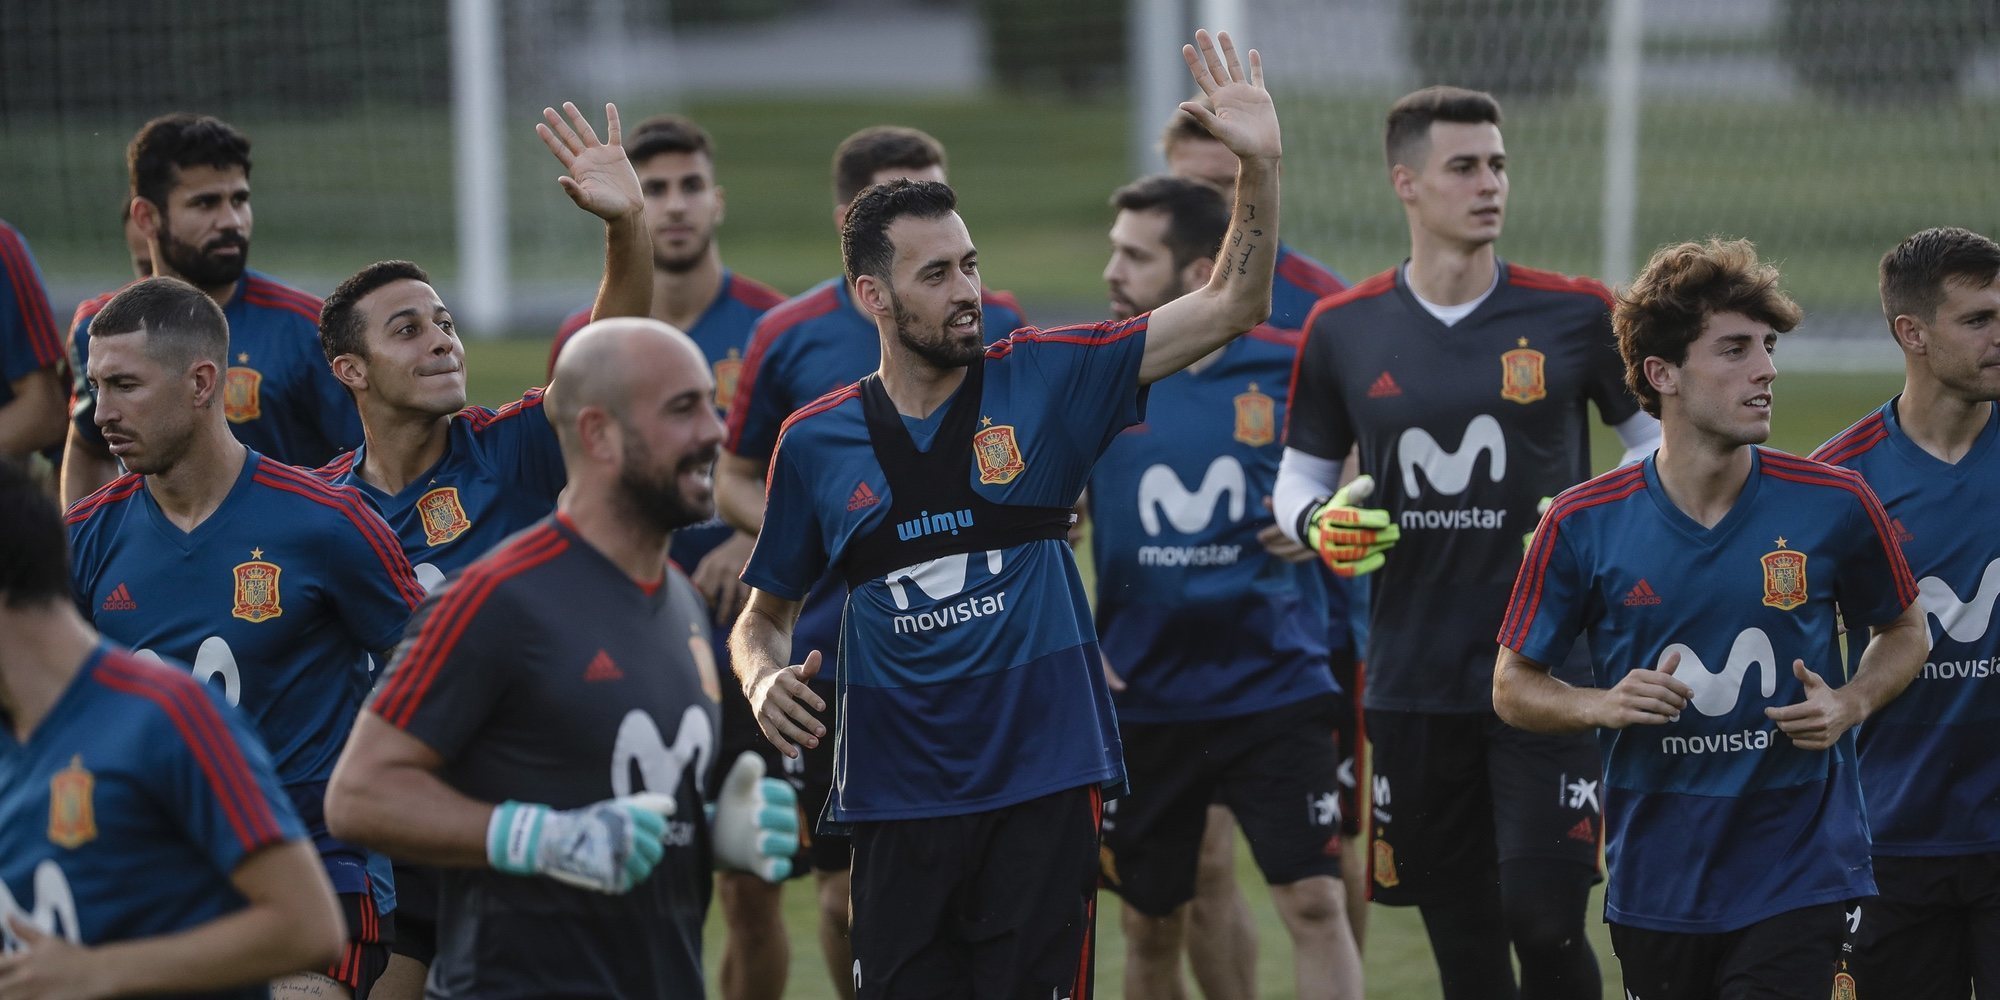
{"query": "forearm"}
pixel 627 288
pixel 760 644
pixel 34 419
pixel 1893 658
pixel 1303 479
pixel 739 492
pixel 1238 294
pixel 1526 696
pixel 409 814
pixel 86 467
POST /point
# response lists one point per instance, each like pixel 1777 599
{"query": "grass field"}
pixel 1808 410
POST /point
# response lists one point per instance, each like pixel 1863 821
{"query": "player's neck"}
pixel 1703 479
pixel 197 484
pixel 1939 421
pixel 1449 274
pixel 596 512
pixel 680 299
pixel 222 294
pixel 46 646
pixel 402 445
pixel 916 386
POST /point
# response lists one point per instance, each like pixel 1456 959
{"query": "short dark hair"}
pixel 1914 274
pixel 864 240
pixel 341 326
pixel 181 322
pixel 1410 118
pixel 1681 287
pixel 1197 214
pixel 667 134
pixel 34 551
pixel 877 148
pixel 1183 127
pixel 170 143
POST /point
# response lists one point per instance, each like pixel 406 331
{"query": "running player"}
pixel 190 178
pixel 1711 580
pixel 544 734
pixel 978 731
pixel 275 586
pixel 1926 760
pixel 1214 624
pixel 31 356
pixel 802 348
pixel 453 480
pixel 145 846
pixel 1464 380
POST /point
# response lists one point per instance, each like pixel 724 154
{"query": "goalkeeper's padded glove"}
pixel 607 846
pixel 754 822
pixel 1351 540
pixel 1541 510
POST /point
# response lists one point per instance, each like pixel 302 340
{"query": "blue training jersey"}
pixel 1200 621
pixel 130 806
pixel 501 471
pixel 28 339
pixel 278 391
pixel 1717 821
pixel 1297 284
pixel 969 682
pixel 1927 762
pixel 800 350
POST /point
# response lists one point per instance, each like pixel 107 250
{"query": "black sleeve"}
pixel 453 667
pixel 1607 373
pixel 1316 420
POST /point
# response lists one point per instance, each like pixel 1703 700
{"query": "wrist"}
pixel 513 834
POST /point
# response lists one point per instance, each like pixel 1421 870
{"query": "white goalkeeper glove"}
pixel 755 822
pixel 607 846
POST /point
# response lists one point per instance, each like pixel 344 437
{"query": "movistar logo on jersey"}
pixel 52 912
pixel 1716 693
pixel 927 523
pixel 640 747
pixel 1162 496
pixel 1450 473
pixel 1964 621
pixel 940 580
pixel 1748 739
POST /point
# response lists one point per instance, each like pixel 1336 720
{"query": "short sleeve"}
pixel 790 555
pixel 220 786
pixel 1089 374
pixel 455 666
pixel 576 321
pixel 369 578
pixel 761 405
pixel 28 339
pixel 1546 612
pixel 1606 387
pixel 1873 584
pixel 519 441
pixel 1316 419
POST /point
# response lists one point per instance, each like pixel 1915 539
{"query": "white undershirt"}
pixel 1450 315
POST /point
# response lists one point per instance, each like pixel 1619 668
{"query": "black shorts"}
pixel 1934 932
pixel 997 904
pixel 1277 770
pixel 417 888
pixel 1347 672
pixel 1454 795
pixel 366 952
pixel 1787 957
pixel 810 774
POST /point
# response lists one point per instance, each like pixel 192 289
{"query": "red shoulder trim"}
pixel 1370 287
pixel 1275 335
pixel 1791 468
pixel 262 286
pixel 812 409
pixel 1005 300
pixel 1613 486
pixel 1853 442
pixel 110 493
pixel 348 502
pixel 403 691
pixel 193 715
pixel 30 297
pixel 770 326
pixel 89 308
pixel 1551 281
pixel 573 322
pixel 1310 275
pixel 481 418
pixel 1082 334
pixel 341 465
pixel 754 293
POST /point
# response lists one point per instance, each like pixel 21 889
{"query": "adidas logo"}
pixel 1384 387
pixel 1641 596
pixel 1903 536
pixel 862 497
pixel 1583 831
pixel 120 600
pixel 602 669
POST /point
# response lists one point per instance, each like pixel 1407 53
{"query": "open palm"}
pixel 1237 110
pixel 601 180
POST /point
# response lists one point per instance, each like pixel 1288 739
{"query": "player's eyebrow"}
pixel 1986 313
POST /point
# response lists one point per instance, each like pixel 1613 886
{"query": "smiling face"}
pixel 933 290
pixel 669 436
pixel 1459 194
pixel 414 360
pixel 1723 389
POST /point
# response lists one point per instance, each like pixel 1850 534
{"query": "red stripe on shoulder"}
pixel 31 298
pixel 259 285
pixel 110 493
pixel 341 465
pixel 1271 334
pixel 1845 446
pixel 1801 470
pixel 1082 334
pixel 1551 281
pixel 348 502
pixel 1370 287
pixel 1522 607
pixel 990 297
pixel 404 690
pixel 754 293
pixel 201 728
pixel 89 308
pixel 481 418
pixel 1310 275
pixel 781 319
pixel 812 409
pixel 573 322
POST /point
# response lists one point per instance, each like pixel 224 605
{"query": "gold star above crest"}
pixel 256 553
pixel 1522 342
pixel 1253 387
pixel 243 357
pixel 1781 541
pixel 985 421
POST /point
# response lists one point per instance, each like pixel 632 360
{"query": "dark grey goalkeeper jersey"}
pixel 542 673
pixel 1465 428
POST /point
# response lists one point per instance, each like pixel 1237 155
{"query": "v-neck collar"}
pixel 1429 319
pixel 1913 453
pixel 1693 529
pixel 187 541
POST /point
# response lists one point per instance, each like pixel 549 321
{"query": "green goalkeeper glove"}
pixel 607 846
pixel 1351 540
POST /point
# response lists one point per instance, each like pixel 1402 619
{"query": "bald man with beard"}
pixel 545 732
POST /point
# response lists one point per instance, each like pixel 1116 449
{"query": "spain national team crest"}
pixel 726 372
pixel 998 453
pixel 1784 578
pixel 1843 987
pixel 257 589
pixel 443 516
pixel 1385 865
pixel 72 821
pixel 241 394
pixel 1256 418
pixel 1521 374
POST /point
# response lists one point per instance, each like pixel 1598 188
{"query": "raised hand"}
pixel 1645 697
pixel 1817 722
pixel 1237 109
pixel 600 180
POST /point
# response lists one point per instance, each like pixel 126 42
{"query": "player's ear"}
pixel 599 434
pixel 1403 181
pixel 146 217
pixel 721 204
pixel 840 218
pixel 352 371
pixel 873 294
pixel 203 377
pixel 1910 334
pixel 1663 375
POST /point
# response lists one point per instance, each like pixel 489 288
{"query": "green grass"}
pixel 1809 409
